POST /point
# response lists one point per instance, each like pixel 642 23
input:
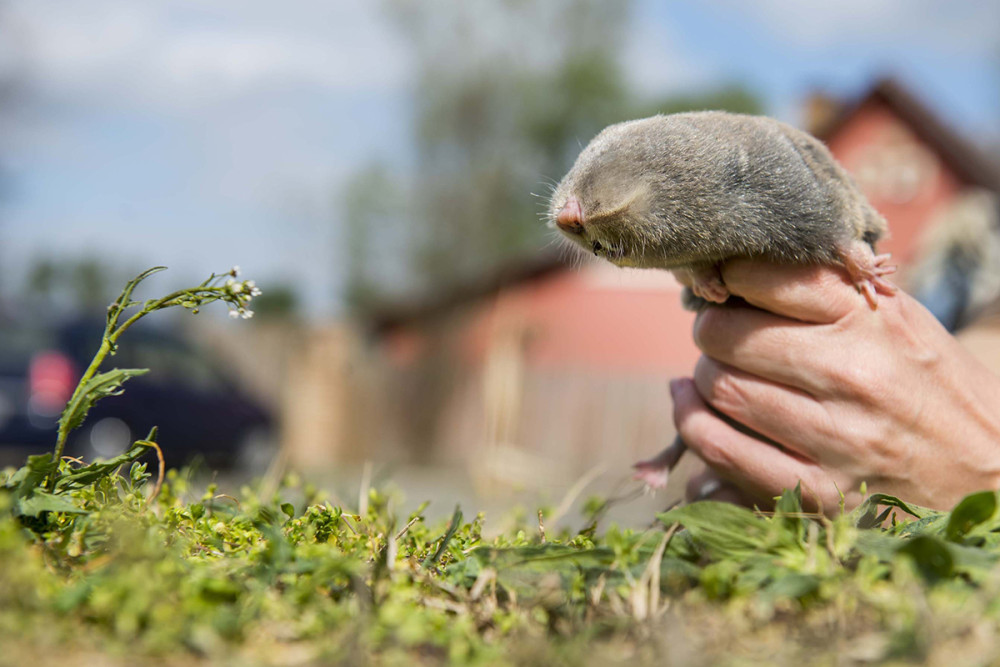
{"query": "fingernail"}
pixel 674 385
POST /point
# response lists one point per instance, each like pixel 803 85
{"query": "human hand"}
pixel 839 395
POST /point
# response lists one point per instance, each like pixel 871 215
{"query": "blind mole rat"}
pixel 688 191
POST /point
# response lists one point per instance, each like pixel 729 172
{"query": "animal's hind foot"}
pixel 705 282
pixel 866 270
pixel 650 474
pixel 655 472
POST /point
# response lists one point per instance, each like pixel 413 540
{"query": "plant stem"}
pixel 98 359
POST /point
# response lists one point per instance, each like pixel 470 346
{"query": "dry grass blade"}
pixel 574 492
pixel 160 473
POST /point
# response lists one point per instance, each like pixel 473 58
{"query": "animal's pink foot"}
pixel 711 289
pixel 705 282
pixel 655 471
pixel 866 270
pixel 652 475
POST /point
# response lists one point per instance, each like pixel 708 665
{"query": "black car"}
pixel 198 408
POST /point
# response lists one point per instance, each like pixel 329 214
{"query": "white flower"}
pixel 234 314
pixel 235 271
pixel 236 288
pixel 247 314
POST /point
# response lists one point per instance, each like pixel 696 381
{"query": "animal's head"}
pixel 618 200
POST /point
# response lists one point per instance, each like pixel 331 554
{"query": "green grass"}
pixel 99 565
pixel 260 579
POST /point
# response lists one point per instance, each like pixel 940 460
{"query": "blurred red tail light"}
pixel 51 380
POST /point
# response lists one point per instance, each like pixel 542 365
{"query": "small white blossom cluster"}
pixel 241 293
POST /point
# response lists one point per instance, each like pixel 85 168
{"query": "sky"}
pixel 205 133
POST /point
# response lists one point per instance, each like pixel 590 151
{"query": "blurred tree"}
pixel 42 279
pixel 277 302
pixel 89 282
pixel 372 204
pixel 83 284
pixel 505 95
pixel 734 97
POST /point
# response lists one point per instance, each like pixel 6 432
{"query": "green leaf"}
pixel 220 590
pixel 98 387
pixel 932 524
pixel 867 514
pixel 788 506
pixel 972 511
pixel 42 501
pixel 792 585
pixel 456 521
pixel 878 544
pixel 790 501
pixel 725 530
pixel 933 559
pixel 31 475
pixel 88 474
pixel 543 557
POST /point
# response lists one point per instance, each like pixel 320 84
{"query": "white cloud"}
pixel 177 54
pixel 967 27
pixel 656 66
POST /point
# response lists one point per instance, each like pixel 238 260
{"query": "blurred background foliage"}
pixel 504 99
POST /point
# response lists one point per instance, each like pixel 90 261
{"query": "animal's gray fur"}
pixel 694 189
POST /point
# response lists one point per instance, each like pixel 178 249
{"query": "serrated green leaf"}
pixel 933 524
pixel 41 501
pixel 88 474
pixel 31 475
pixel 100 386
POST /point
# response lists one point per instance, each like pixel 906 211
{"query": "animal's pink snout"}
pixel 570 217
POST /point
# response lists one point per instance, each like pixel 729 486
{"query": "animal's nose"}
pixel 570 217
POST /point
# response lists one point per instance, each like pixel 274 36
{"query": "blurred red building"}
pixel 910 165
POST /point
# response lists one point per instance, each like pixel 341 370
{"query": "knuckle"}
pixel 874 450
pixel 852 378
pixel 720 386
pixel 860 379
pixel 727 392
pixel 883 452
